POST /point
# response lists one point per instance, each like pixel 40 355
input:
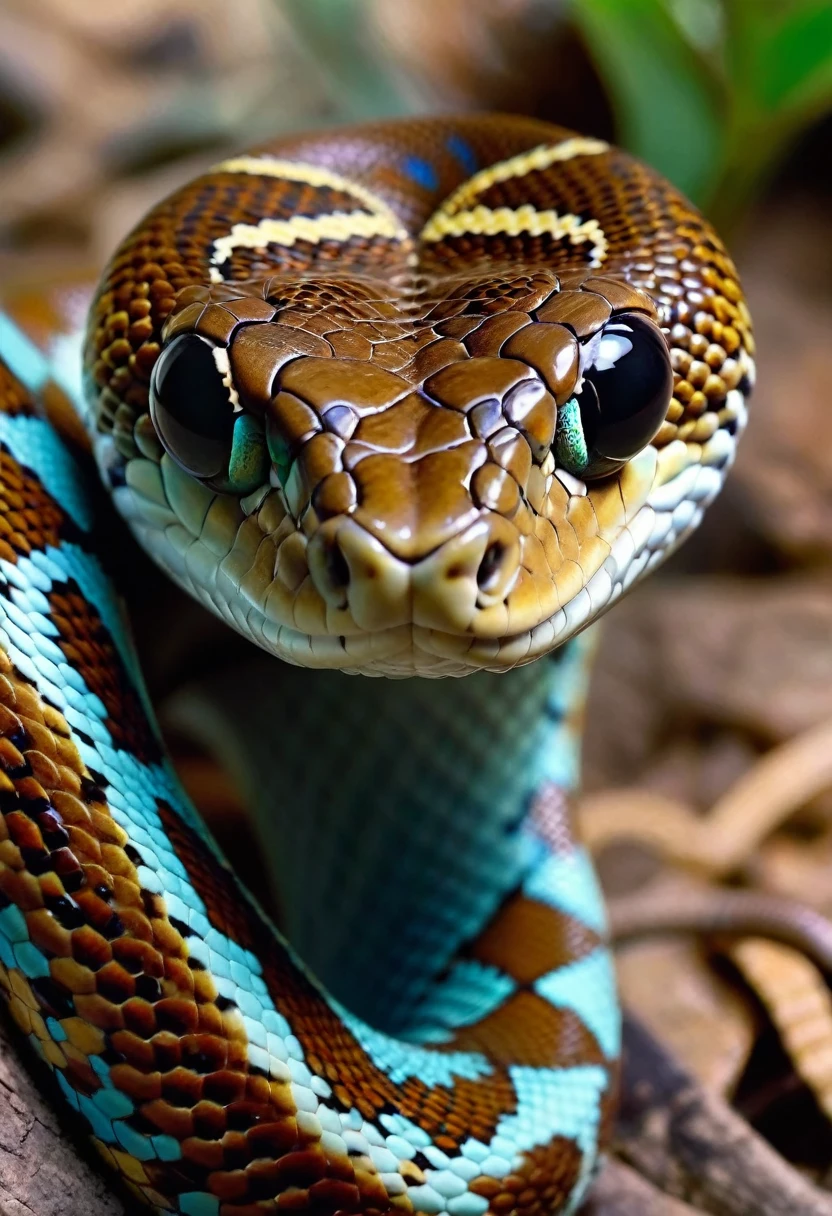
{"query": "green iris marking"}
pixel 279 452
pixel 248 465
pixel 570 444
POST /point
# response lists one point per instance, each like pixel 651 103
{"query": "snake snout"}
pixel 473 571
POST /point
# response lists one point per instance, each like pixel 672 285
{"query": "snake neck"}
pixel 395 817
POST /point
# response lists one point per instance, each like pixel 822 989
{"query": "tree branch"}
pixel 44 1169
pixel 690 1144
pixel 620 1191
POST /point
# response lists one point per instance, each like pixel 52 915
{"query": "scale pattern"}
pixel 378 294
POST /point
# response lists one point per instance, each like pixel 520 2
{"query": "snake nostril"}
pixel 328 566
pixel 489 570
pixel 336 566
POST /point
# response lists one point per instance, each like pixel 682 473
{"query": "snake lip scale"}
pixel 416 399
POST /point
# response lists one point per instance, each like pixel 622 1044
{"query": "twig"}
pixel 692 1145
pixel 784 780
pixel 717 910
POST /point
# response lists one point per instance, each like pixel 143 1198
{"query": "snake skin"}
pixel 400 312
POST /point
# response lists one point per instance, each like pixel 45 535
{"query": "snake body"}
pixel 352 390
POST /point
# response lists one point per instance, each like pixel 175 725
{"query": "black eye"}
pixel 623 400
pixel 191 407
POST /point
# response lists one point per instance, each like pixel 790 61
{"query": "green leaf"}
pixel 793 63
pixel 779 68
pixel 665 102
pixel 338 34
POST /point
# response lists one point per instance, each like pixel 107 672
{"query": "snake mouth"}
pixel 661 497
pixel 660 500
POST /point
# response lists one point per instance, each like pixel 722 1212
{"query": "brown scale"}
pixel 550 940
pixel 331 1050
pixel 15 398
pixel 170 251
pixel 392 457
pixel 529 1032
pixel 119 978
pixel 88 647
pixel 365 254
pixel 29 517
pixel 120 981
pixel 644 222
pixel 373 155
pixel 508 252
pixel 412 462
pixel 545 1179
pixel 526 1030
pixel 43 310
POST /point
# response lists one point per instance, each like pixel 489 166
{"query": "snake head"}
pixel 428 430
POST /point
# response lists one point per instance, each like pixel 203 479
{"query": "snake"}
pixel 415 399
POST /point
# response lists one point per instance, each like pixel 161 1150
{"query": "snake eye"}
pixel 194 416
pixel 191 408
pixel 623 400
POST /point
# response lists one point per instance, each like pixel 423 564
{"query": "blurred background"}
pixel 725 657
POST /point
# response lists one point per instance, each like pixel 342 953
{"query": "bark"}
pixel 44 1169
pixel 620 1191
pixel 690 1144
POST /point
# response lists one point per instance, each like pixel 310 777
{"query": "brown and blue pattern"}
pixel 211 1072
pixel 393 326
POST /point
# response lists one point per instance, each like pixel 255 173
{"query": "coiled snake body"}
pixel 416 399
